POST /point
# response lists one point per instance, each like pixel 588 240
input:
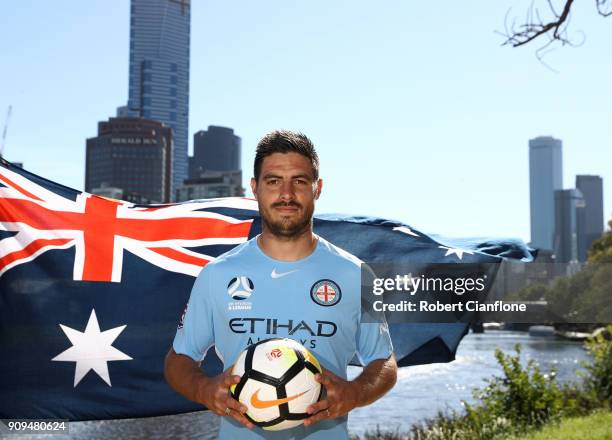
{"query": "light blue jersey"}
pixel 245 296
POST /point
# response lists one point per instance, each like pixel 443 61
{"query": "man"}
pixel 285 267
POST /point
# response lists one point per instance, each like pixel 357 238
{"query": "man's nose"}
pixel 287 191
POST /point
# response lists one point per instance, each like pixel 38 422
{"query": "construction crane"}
pixel 6 122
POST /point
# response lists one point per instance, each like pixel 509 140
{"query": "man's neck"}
pixel 287 248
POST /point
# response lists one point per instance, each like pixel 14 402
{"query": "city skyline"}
pixel 431 131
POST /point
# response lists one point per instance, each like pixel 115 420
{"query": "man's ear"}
pixel 318 189
pixel 254 187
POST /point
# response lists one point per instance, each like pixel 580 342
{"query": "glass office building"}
pixel 591 220
pixel 215 149
pixel 545 177
pixel 130 159
pixel 569 204
pixel 159 71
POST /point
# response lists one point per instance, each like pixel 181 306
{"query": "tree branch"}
pixel 535 27
pixel 604 7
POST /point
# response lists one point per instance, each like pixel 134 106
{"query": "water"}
pixel 420 391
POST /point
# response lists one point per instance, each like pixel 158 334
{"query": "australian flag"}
pixel 92 290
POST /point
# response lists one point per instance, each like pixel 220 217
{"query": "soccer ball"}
pixel 277 383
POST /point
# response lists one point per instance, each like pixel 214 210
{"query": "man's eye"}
pixel 272 181
pixel 301 182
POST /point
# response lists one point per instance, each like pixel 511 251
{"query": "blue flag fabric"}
pixel 92 290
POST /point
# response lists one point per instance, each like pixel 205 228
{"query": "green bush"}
pixel 523 395
pixel 598 380
pixel 519 401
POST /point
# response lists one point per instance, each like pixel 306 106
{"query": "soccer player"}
pixel 286 282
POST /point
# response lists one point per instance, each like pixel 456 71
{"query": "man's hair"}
pixel 284 141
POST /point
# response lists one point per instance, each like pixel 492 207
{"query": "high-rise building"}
pixel 211 184
pixel 159 71
pixel 130 155
pixel 215 149
pixel 591 218
pixel 545 177
pixel 568 204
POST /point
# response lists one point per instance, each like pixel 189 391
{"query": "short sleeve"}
pixel 372 340
pixel 195 334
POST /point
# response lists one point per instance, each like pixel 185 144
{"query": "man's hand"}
pixel 342 397
pixel 214 393
pixel 185 376
pixel 375 380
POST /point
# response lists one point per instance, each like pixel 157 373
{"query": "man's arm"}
pixel 185 376
pixel 343 396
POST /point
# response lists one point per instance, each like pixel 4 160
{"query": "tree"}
pixel 601 249
pixel 584 296
pixel 552 23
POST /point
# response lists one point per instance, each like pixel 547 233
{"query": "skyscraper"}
pixel 568 206
pixel 215 149
pixel 130 159
pixel 214 168
pixel 159 71
pixel 545 176
pixel 590 221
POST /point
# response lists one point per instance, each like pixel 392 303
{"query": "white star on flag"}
pixel 405 230
pixel 92 349
pixel 456 251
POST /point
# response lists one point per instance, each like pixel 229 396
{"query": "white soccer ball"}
pixel 277 383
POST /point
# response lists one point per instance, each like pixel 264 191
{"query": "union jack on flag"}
pixel 101 230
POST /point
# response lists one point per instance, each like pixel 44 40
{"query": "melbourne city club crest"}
pixel 325 293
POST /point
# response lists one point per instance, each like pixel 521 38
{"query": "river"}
pixel 420 391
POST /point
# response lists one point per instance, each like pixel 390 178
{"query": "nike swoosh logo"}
pixel 276 274
pixel 261 404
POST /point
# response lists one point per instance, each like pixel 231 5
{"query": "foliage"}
pixel 598 380
pixel 533 292
pixel 583 297
pixel 521 400
pixel 523 395
pixel 601 249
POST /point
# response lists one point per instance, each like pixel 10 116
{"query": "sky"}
pixel 418 112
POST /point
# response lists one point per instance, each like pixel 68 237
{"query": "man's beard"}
pixel 288 227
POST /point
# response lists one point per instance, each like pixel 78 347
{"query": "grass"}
pixel 597 426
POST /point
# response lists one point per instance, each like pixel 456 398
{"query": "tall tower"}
pixel 159 71
pixel 545 177
pixel 215 149
pixel 131 155
pixel 590 222
pixel 569 205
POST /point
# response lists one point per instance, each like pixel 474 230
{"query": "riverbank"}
pixel 424 390
pixel 421 391
pixel 597 426
pixel 524 400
